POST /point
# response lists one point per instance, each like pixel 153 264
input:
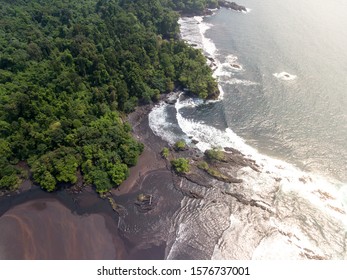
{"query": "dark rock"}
pixel 234 65
pixel 208 12
pixel 197 179
pixel 213 95
pixel 232 150
pixel 232 5
pixel 144 202
pixel 171 101
pixel 192 194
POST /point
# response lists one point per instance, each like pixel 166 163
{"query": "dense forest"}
pixel 71 69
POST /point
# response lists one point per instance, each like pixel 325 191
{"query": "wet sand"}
pixel 46 229
pixel 67 225
pixel 150 159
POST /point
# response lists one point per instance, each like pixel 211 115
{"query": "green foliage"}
pixel 213 172
pixel 118 172
pixel 47 181
pixel 101 180
pixel 194 6
pixel 218 175
pixel 203 165
pixel 180 145
pixel 68 67
pixel 165 152
pixel 181 165
pixel 58 166
pixel 9 174
pixel 196 76
pixel 215 154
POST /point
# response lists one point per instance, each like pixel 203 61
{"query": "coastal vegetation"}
pixel 165 152
pixel 69 73
pixel 181 165
pixel 180 145
pixel 203 165
pixel 215 154
pixel 194 6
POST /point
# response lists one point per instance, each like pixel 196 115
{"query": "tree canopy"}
pixel 69 71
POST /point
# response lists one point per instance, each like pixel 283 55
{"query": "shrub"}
pixel 203 165
pixel 215 154
pixel 180 145
pixel 181 165
pixel 165 152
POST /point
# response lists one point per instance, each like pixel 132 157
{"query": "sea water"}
pixel 281 69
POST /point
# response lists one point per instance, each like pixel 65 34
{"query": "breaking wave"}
pixel 309 209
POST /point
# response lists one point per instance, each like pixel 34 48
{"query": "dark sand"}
pixel 46 229
pixel 150 159
pixel 63 225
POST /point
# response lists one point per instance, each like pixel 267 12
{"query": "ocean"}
pixel 282 71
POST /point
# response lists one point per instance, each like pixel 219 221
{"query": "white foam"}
pixel 159 124
pixel 235 81
pixel 221 93
pixel 310 186
pixel 231 58
pixel 222 70
pixel 228 68
pixel 213 10
pixel 193 31
pixel 208 135
pixel 292 177
pixel 207 44
pixel 284 76
pixel 190 32
pixel 269 249
pixel 232 61
pixel 326 194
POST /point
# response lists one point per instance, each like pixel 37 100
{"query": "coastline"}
pixel 151 170
pixel 126 232
pixel 24 210
pixel 193 216
pixel 150 159
pixel 258 211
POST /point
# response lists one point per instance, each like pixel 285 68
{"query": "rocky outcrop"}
pixel 205 170
pixel 209 10
pixel 232 6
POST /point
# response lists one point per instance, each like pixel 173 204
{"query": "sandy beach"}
pixel 70 224
pixel 150 159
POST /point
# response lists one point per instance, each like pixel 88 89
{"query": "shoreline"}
pixel 83 200
pixel 150 159
pixel 87 203
pixel 194 215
